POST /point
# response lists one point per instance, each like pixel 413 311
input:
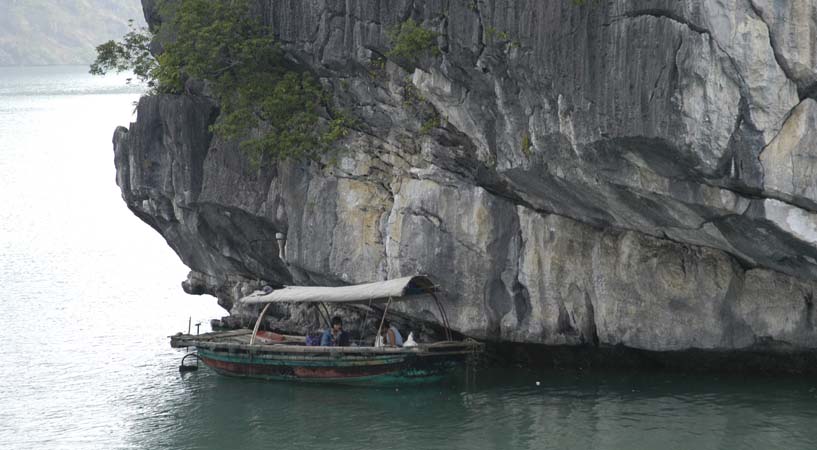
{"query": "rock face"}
pixel 636 172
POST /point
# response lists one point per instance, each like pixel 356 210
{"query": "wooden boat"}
pixel 271 356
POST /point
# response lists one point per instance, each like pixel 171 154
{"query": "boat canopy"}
pixel 379 291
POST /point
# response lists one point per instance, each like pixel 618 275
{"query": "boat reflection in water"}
pixel 272 356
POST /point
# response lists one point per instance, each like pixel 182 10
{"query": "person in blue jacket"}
pixel 335 336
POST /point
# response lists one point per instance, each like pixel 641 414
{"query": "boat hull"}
pixel 369 369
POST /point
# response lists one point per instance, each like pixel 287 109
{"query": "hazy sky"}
pixel 44 32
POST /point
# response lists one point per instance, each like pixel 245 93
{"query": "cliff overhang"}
pixel 633 173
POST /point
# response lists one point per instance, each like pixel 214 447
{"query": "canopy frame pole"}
pixel 383 319
pixel 326 310
pixel 258 323
pixel 324 318
pixel 363 323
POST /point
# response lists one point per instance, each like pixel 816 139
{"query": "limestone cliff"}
pixel 635 172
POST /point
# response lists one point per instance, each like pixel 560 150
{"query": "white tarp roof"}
pixel 360 293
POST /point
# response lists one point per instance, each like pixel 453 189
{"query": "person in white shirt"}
pixel 391 335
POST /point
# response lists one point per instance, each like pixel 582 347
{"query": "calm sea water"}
pixel 89 294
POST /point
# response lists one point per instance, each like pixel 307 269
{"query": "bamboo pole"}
pixel 258 323
pixel 383 319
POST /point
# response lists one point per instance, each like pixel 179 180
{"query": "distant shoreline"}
pixel 23 66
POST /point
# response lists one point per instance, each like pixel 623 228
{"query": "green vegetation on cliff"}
pixel 410 42
pixel 132 53
pixel 272 106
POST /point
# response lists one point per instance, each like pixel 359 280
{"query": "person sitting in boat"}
pixel 335 336
pixel 391 336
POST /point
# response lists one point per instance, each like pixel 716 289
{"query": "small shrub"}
pixel 411 41
pixel 430 123
pixel 417 106
pixel 526 145
pixel 377 68
pixel 493 33
pixel 411 96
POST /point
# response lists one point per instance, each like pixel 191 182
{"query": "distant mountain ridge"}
pixel 51 32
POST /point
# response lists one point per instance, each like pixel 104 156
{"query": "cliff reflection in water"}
pixel 503 409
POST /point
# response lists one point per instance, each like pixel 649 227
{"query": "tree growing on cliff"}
pixel 267 103
pixel 132 53
pixel 411 41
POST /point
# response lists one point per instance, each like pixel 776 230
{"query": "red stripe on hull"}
pixel 262 370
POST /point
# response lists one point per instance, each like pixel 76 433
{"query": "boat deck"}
pixel 239 341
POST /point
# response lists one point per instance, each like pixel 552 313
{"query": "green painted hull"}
pixel 404 368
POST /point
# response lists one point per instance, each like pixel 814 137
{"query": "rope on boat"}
pixel 444 317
